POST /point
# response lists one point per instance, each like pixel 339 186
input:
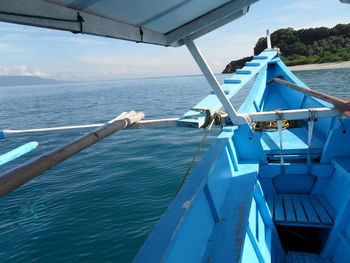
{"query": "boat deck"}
pixel 301 210
pixel 301 257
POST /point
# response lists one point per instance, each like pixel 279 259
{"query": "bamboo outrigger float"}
pixel 274 187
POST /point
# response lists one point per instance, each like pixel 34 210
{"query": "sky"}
pixel 62 55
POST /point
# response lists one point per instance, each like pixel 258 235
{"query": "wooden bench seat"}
pixel 294 141
pixel 301 257
pixel 301 210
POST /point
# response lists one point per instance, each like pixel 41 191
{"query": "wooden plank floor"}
pixel 300 257
pixel 300 210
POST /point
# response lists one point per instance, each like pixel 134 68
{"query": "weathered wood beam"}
pixel 159 123
pixel 342 105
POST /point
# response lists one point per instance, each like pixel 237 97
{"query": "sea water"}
pixel 101 204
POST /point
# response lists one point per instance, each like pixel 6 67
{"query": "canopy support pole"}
pixel 268 39
pixel 196 54
pixel 18 176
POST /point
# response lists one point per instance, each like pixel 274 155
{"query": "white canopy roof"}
pixel 162 22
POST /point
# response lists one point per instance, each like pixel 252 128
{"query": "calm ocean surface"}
pixel 100 205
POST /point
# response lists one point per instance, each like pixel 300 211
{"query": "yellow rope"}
pixel 207 130
pixel 272 125
pixel 216 119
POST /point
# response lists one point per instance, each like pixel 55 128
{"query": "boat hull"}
pixel 264 195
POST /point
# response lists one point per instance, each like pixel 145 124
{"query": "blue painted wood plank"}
pixel 280 258
pixel 294 142
pixel 289 258
pixel 243 72
pixel 252 64
pixel 232 81
pixel 227 239
pixel 279 211
pixel 255 245
pixel 302 257
pixel 309 210
pixel 269 201
pixel 213 208
pixel 285 223
pixel 17 152
pixel 314 258
pixel 344 238
pixel 260 57
pixel 299 211
pixel 298 257
pixel 288 208
pixel 331 211
pixel 342 165
pixel 307 258
pixel 255 93
pixel 321 211
pixel 295 257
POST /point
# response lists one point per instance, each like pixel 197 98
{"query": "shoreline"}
pixel 332 65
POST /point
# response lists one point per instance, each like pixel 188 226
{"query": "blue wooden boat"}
pixel 274 187
pixel 271 194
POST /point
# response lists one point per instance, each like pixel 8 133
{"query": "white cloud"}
pixel 301 6
pixel 21 70
pixel 12 37
pixel 6 48
pixel 171 62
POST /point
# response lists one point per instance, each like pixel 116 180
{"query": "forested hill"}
pixel 305 46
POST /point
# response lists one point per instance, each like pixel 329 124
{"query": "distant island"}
pixel 25 80
pixel 304 46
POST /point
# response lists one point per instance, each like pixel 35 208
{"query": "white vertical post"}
pixel 268 39
pixel 196 54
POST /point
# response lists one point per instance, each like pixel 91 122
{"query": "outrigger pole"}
pixel 29 170
pixel 143 124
